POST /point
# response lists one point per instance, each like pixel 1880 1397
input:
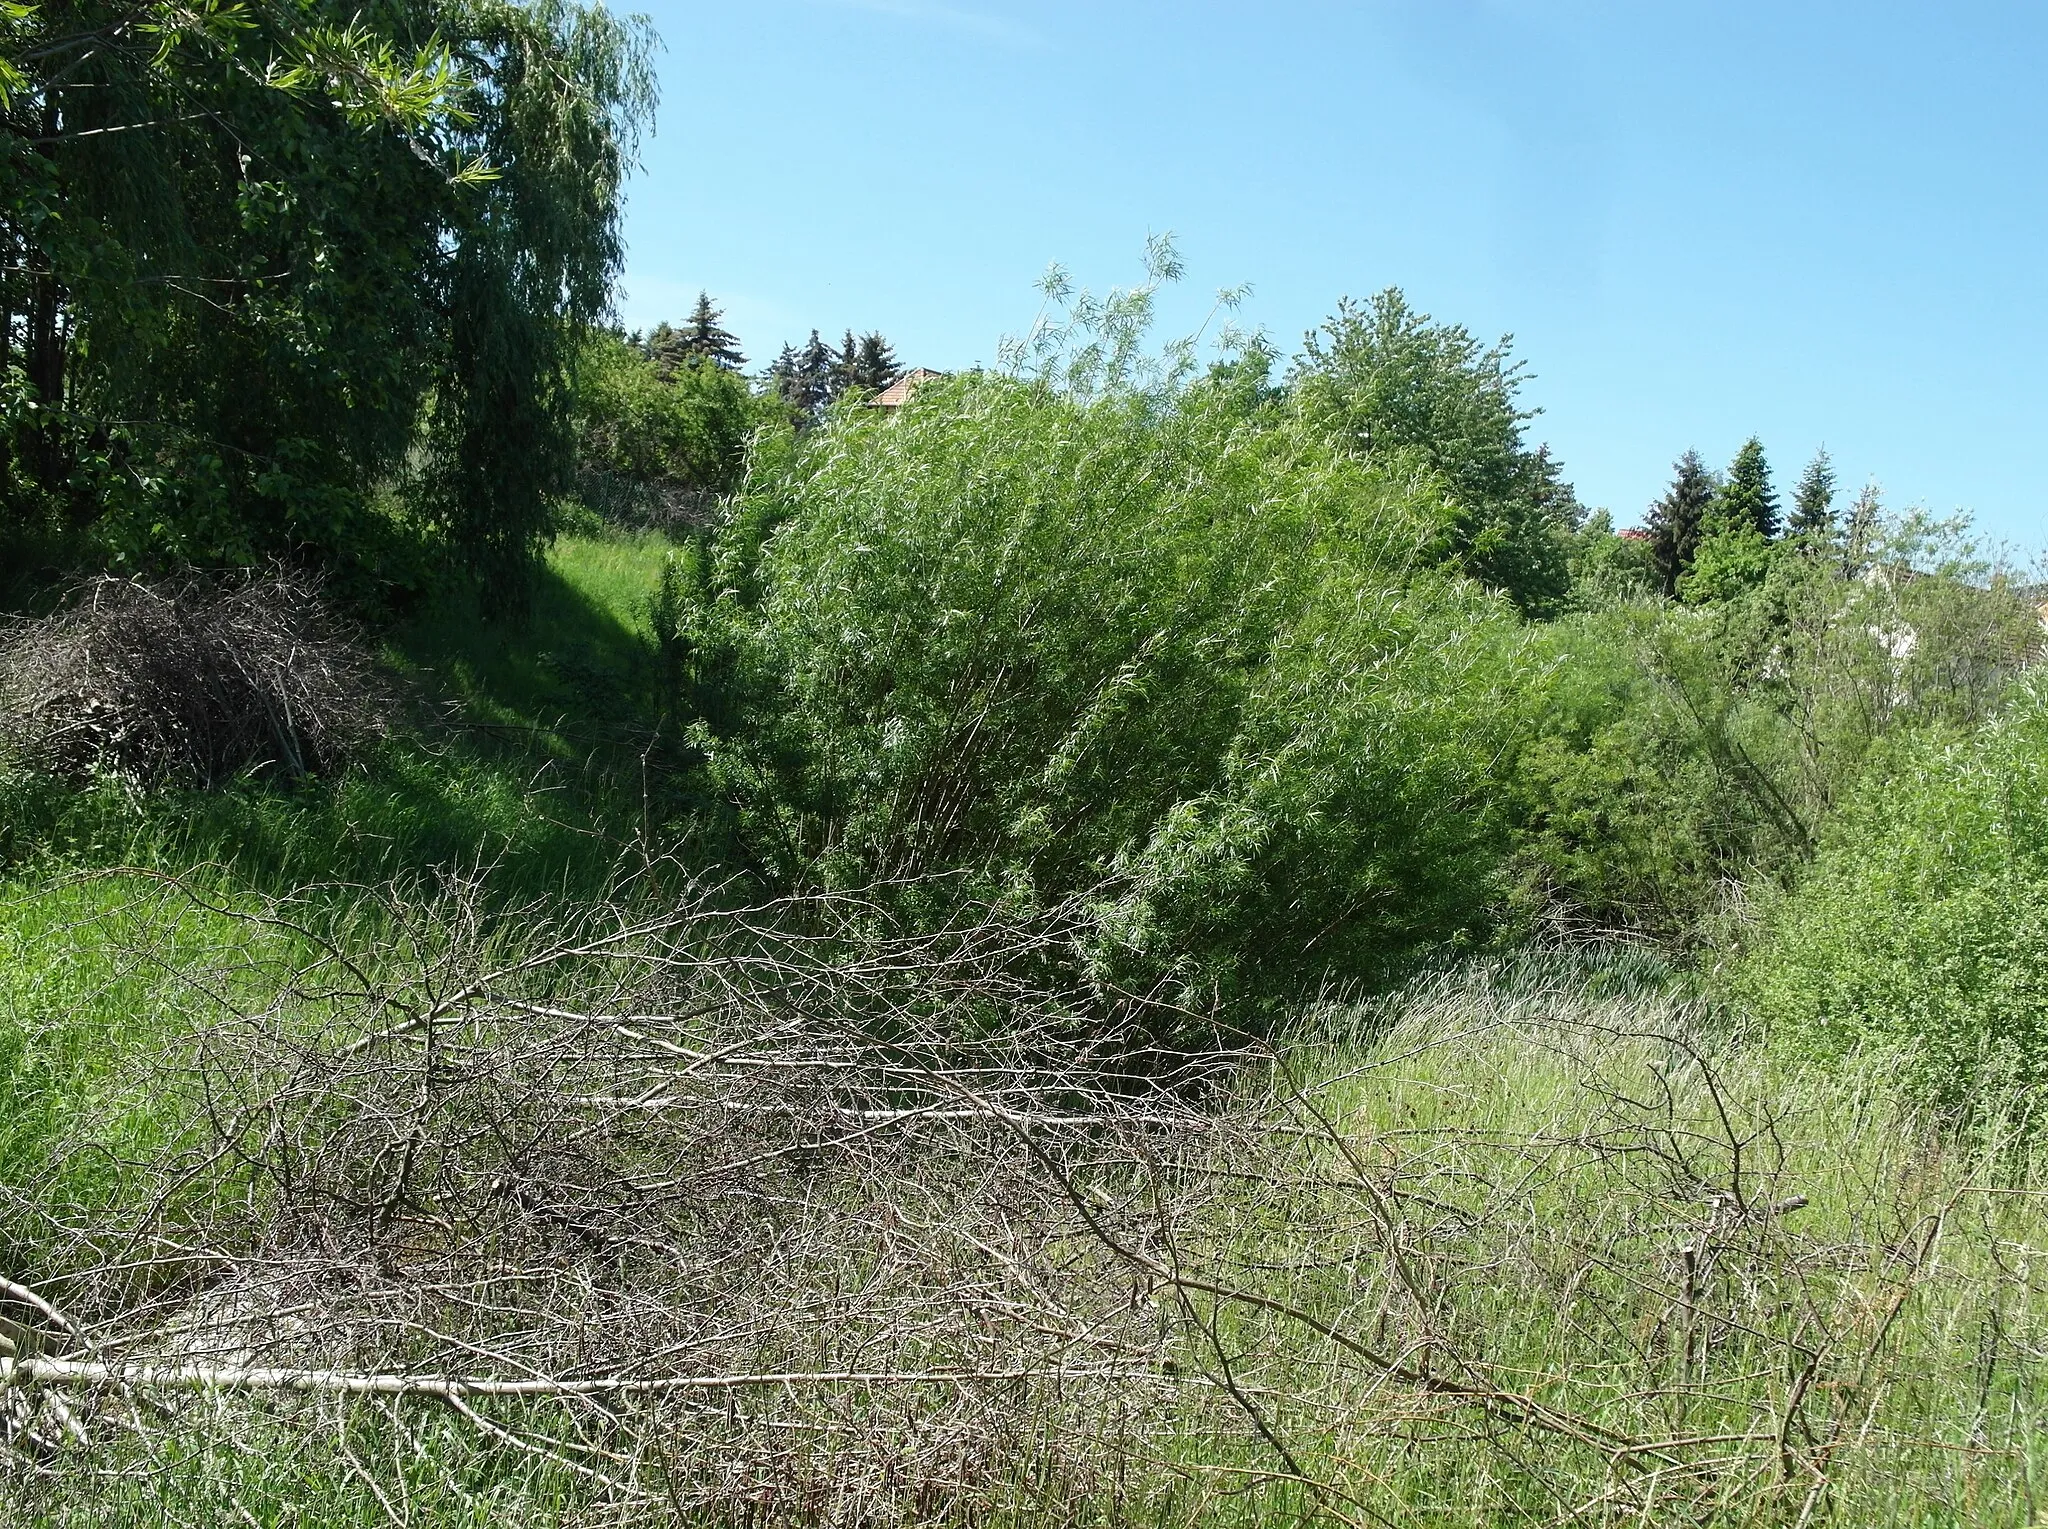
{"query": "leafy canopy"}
pixel 1387 380
pixel 262 259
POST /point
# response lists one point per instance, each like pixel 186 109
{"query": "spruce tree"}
pixel 707 338
pixel 668 348
pixel 1813 501
pixel 877 366
pixel 846 366
pixel 781 375
pixel 815 366
pixel 803 379
pixel 1747 500
pixel 1678 519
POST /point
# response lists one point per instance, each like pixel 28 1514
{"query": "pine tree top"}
pixel 1747 499
pixel 1813 501
pixel 707 338
pixel 1678 519
pixel 877 367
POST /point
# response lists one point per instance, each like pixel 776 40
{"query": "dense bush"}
pixel 1677 752
pixel 1168 653
pixel 656 443
pixel 1923 927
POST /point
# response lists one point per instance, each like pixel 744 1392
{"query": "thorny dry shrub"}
pixel 740 1212
pixel 1521 1253
pixel 192 680
pixel 772 1215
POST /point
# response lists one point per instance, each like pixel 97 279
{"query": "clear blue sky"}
pixel 1816 222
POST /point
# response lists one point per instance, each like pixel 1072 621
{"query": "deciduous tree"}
pixel 1387 379
pixel 241 248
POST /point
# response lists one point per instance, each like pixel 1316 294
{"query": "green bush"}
pixel 1675 751
pixel 1168 655
pixel 648 435
pixel 1923 927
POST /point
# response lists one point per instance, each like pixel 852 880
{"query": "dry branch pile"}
pixel 705 1210
pixel 193 681
pixel 773 1215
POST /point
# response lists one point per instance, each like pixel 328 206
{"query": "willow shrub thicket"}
pixel 1676 753
pixel 1171 658
pixel 1922 928
pixel 655 442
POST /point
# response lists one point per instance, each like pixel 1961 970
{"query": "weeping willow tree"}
pixel 260 258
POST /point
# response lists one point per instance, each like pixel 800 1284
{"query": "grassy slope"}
pixel 514 774
pixel 1930 1380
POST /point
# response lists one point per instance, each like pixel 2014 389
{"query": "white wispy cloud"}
pixel 996 29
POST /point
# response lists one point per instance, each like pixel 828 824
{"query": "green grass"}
pixel 1494 1177
pixel 518 769
pixel 1743 1290
pixel 523 754
pixel 578 669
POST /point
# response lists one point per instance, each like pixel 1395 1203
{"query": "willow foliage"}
pixel 1162 654
pixel 255 253
pixel 1923 929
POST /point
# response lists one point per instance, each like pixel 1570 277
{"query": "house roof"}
pixel 897 393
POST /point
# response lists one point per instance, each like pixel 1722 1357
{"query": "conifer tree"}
pixel 781 374
pixel 846 366
pixel 804 379
pixel 815 366
pixel 668 348
pixel 877 366
pixel 1747 500
pixel 706 337
pixel 1813 501
pixel 1678 520
pixel 813 378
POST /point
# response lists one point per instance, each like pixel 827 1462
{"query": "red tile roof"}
pixel 897 393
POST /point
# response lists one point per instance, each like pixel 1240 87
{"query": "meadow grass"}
pixel 1543 1241
pixel 506 772
pixel 1622 1266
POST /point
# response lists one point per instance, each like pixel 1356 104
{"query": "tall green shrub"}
pixel 646 425
pixel 1384 379
pixel 1676 751
pixel 1923 927
pixel 1174 659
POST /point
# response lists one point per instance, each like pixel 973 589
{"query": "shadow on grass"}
pixel 523 755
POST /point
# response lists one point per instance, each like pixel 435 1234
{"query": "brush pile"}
pixel 191 681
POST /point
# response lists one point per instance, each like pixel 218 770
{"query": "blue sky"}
pixel 1815 222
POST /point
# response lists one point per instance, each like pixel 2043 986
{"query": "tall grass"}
pixel 510 773
pixel 1537 1241
pixel 1539 1255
